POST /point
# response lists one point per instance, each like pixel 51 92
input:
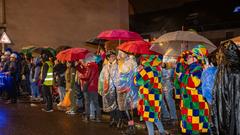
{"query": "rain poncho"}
pixel 226 91
pixel 148 79
pixel 107 86
pixel 194 108
pixel 127 92
pixel 132 95
pixel 208 79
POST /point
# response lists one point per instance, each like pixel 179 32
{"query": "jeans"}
pixel 92 110
pixel 47 95
pixel 92 97
pixel 35 89
pixel 12 92
pixel 74 96
pixel 150 127
pixel 62 92
pixel 171 113
pixel 80 99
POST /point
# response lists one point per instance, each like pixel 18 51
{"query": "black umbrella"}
pixel 61 48
pixel 96 41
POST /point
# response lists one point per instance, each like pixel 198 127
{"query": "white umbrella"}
pixel 173 43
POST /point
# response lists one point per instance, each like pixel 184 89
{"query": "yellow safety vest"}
pixel 49 78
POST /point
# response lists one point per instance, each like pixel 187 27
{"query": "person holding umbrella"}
pixel 47 81
pixel 91 88
pixel 107 87
pixel 125 90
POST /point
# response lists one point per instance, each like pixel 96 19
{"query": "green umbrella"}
pixel 53 51
pixel 27 50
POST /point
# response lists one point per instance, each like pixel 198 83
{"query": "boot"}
pixel 113 123
pixel 120 124
pixel 130 131
pixel 86 119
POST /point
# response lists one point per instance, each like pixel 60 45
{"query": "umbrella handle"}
pixel 119 42
pixel 98 50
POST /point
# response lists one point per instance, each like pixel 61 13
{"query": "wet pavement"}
pixel 22 119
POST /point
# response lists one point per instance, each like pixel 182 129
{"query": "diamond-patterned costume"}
pixel 180 69
pixel 148 79
pixel 194 108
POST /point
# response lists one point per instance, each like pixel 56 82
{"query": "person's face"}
pixel 25 57
pixel 56 62
pixel 3 59
pixel 164 65
pixel 7 56
pixel 76 63
pixel 112 58
pixel 12 58
pixel 191 59
pixel 32 61
pixel 68 64
pixel 121 55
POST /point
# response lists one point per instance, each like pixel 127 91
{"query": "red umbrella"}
pixel 72 54
pixel 136 47
pixel 119 35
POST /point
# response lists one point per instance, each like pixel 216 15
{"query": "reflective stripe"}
pixel 48 79
pixel 49 73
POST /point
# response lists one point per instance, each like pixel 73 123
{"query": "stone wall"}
pixel 62 22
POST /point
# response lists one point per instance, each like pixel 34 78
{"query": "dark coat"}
pixel 226 91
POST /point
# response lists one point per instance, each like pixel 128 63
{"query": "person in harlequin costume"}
pixel 180 69
pixel 126 90
pixel 107 87
pixel 194 108
pixel 148 79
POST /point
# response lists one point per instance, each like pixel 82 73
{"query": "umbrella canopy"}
pixel 28 49
pixel 61 48
pixel 236 40
pixel 36 51
pixel 72 54
pixel 173 43
pixel 136 47
pixel 39 50
pixel 119 35
pixel 52 51
pixel 96 41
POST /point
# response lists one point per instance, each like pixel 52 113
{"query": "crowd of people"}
pixel 204 88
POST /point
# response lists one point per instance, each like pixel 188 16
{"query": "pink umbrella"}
pixel 119 35
pixel 72 54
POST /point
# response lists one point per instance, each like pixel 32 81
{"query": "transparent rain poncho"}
pixel 127 91
pixel 107 86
